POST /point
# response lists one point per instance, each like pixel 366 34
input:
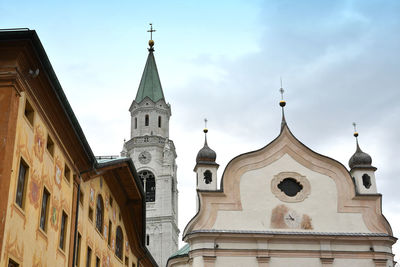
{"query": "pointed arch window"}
pixel 159 121
pixel 119 242
pixel 149 184
pixel 99 213
pixel 146 120
pixel 135 123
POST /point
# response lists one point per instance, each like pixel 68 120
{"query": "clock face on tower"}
pixel 144 157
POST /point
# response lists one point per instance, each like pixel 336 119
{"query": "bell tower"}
pixel 206 167
pixel 153 154
pixel 361 170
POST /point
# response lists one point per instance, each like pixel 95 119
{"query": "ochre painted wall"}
pixel 91 236
pixel 8 118
pixel 24 241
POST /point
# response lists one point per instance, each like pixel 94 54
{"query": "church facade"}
pixel 286 205
pixel 153 154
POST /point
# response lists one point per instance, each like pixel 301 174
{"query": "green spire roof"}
pixel 150 85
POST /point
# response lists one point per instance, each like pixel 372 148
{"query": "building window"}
pixel 109 232
pixel 90 214
pixel 135 123
pixel 45 210
pixel 147 240
pixel 78 250
pixel 12 263
pixel 207 176
pixel 146 120
pixel 149 184
pixel 67 173
pixel 111 201
pixel 290 186
pixel 126 261
pixel 22 179
pixel 29 112
pixel 159 121
pixel 97 261
pixel 366 180
pixel 50 145
pixel 99 213
pixel 119 242
pixel 81 197
pixel 63 230
pixel 88 257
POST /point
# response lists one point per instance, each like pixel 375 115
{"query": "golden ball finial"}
pixel 282 103
pixel 205 130
pixel 355 134
pixel 151 43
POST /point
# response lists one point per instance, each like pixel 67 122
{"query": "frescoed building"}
pixel 286 205
pixel 59 206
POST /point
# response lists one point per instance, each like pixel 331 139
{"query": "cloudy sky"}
pixel 339 61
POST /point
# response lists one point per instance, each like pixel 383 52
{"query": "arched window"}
pixel 135 123
pixel 119 242
pixel 146 120
pixel 366 180
pixel 99 213
pixel 207 177
pixel 149 184
pixel 159 121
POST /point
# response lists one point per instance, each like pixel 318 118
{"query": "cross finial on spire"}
pixel 205 131
pixel 281 90
pixel 355 130
pixel 151 31
pixel 151 42
pixel 282 103
pixel 205 126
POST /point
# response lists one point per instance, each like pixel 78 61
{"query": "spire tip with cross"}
pixel 282 103
pixel 355 130
pixel 151 42
pixel 205 126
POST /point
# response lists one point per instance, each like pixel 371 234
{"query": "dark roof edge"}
pixel 31 35
pixel 137 181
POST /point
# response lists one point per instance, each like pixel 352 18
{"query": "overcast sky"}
pixel 339 61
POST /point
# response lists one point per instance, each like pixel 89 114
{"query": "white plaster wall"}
pixel 353 263
pixel 258 201
pixel 153 110
pixel 236 261
pixel 296 262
